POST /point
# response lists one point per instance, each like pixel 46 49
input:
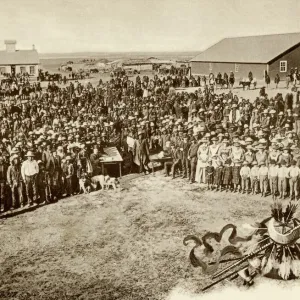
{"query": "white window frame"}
pixel 285 66
pixel 236 68
pixel 33 70
pixel 210 67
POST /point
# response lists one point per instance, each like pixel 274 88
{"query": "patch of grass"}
pixel 130 247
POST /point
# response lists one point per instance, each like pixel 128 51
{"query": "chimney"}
pixel 10 45
pixel 33 47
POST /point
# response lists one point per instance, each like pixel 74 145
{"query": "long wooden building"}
pixel 275 54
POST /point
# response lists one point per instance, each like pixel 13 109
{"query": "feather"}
pixel 271 264
pixel 285 268
pixel 263 262
pixel 268 267
pixel 296 267
pixel 253 228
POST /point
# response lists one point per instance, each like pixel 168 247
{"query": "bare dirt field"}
pixel 117 245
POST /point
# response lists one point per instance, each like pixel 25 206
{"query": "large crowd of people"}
pixel 52 137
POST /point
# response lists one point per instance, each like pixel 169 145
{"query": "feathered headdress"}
pixel 270 250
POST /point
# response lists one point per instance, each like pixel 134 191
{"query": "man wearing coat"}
pixel 141 153
pixel 3 173
pixel 57 176
pixel 15 182
pixel 95 161
pixel 48 161
pixel 184 148
pixel 192 156
pixel 234 115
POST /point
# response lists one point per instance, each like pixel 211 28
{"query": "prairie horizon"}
pixel 119 55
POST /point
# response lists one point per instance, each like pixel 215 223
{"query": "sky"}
pixel 60 26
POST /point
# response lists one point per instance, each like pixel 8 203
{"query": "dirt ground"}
pixel 52 67
pixel 125 244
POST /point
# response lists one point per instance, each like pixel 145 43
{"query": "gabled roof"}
pixel 249 49
pixel 19 57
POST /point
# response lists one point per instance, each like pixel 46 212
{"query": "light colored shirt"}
pixel 283 172
pixel 29 168
pixel 294 171
pixel 273 171
pixel 254 172
pixel 261 157
pixel 245 171
pixel 263 171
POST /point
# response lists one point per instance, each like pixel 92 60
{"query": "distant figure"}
pixel 287 80
pixel 295 76
pixel 225 76
pixel 250 76
pixel 231 79
pixel 267 80
pixel 277 80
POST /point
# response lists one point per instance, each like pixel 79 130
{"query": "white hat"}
pixel 29 154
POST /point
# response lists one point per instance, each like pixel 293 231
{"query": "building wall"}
pixel 5 69
pixel 138 67
pixel 242 70
pixel 18 69
pixel 27 69
pixel 293 60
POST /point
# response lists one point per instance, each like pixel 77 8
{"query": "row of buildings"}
pixel 272 54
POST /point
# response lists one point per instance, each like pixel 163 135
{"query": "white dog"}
pixel 105 182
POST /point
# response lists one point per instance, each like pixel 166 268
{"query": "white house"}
pixel 14 61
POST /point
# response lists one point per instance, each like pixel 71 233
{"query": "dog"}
pixel 85 185
pixel 98 179
pixel 105 182
pixel 111 182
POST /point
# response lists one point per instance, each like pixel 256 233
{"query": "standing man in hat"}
pixel 263 178
pixel 141 153
pixel 192 156
pixel 234 115
pixel 203 157
pixel 95 161
pixel 177 158
pixel 273 177
pixel 297 118
pixel 48 161
pixel 57 176
pixel 184 147
pixel 261 155
pixel 14 180
pixel 3 177
pixel 231 79
pixel 29 171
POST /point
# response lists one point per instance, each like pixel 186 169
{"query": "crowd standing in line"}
pixel 50 138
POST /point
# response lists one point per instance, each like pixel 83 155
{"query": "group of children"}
pixel 280 179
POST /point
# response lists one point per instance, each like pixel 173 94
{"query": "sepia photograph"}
pixel 149 149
